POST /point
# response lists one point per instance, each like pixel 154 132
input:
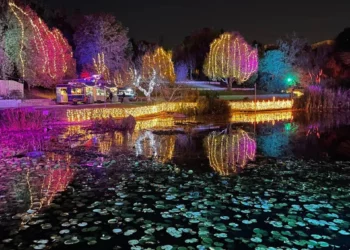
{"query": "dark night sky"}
pixel 264 21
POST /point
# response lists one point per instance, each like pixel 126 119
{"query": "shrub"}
pixel 111 124
pixel 19 119
pixel 317 97
pixel 212 105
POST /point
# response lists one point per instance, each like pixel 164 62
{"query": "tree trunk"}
pixel 229 83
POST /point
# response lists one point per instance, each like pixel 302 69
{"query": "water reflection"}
pixel 228 153
pixel 158 146
pixel 29 185
pixel 259 117
pixel 274 140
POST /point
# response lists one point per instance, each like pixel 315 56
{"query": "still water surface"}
pixel 62 189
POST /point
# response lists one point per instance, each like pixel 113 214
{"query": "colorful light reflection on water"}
pixel 228 153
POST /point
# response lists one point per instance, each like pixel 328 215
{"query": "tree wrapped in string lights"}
pixel 145 88
pixel 43 56
pixel 100 66
pixel 159 61
pixel 231 59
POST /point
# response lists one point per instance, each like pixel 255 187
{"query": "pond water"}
pixel 250 181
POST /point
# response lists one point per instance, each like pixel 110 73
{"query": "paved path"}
pixel 203 86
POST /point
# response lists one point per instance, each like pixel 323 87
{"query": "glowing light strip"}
pixel 271 117
pixel 261 105
pixel 78 115
pixel 22 37
pixel 58 37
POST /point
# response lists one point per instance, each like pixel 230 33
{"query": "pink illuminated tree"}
pixel 42 55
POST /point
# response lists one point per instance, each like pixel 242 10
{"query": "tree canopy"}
pixel 232 58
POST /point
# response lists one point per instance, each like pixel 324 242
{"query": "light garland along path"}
pixel 80 115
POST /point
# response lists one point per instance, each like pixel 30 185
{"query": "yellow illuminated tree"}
pixel 231 59
pixel 100 66
pixel 159 61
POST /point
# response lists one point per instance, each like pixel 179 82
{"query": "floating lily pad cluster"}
pixel 291 204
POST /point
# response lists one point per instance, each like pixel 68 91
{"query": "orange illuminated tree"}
pixel 159 61
pixel 231 59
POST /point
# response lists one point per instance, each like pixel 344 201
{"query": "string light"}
pixel 149 144
pixel 151 84
pixel 79 115
pixel 231 57
pixel 52 182
pixel 100 66
pixel 261 105
pixel 161 62
pixel 227 152
pixel 48 44
pixel 272 117
pixel 22 37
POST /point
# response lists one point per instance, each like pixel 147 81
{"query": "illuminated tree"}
pixel 100 66
pixel 124 76
pixel 159 61
pixel 101 34
pixel 145 87
pixel 296 52
pixel 6 67
pixel 43 56
pixel 273 71
pixel 231 59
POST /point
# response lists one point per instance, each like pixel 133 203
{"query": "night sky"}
pixel 264 21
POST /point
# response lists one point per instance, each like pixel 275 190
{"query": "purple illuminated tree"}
pixel 101 34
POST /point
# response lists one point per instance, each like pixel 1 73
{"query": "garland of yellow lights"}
pixel 161 62
pixel 79 115
pixel 226 152
pixel 261 105
pixel 100 66
pixel 231 57
pixel 41 35
pixel 272 117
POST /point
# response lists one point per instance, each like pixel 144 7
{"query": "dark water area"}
pixel 253 181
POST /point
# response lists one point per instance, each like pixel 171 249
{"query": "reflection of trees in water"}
pixel 273 140
pixel 34 188
pixel 229 152
pixel 323 120
pixel 159 146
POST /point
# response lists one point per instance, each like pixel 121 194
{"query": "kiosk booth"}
pixel 75 92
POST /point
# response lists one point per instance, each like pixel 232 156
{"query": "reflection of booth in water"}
pixel 75 92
